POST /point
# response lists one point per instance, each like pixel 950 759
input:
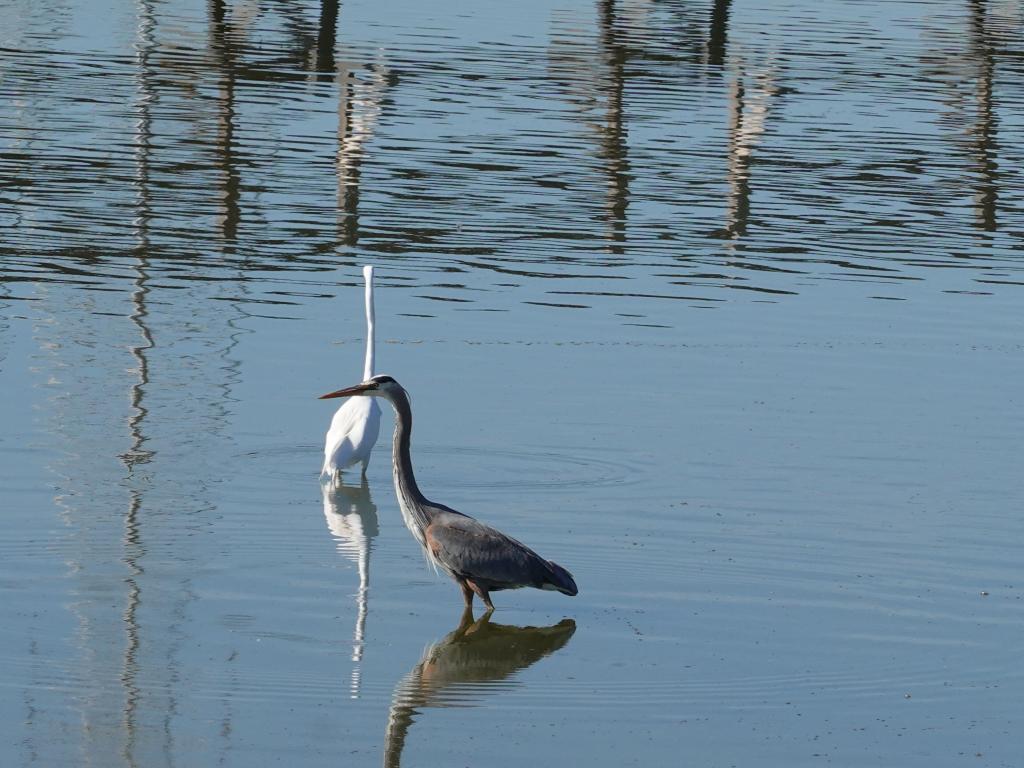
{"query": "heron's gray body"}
pixel 466 549
pixel 479 558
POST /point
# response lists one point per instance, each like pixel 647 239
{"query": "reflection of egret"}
pixel 356 424
pixel 474 654
pixel 479 558
pixel 352 519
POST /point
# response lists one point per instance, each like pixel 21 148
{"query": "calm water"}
pixel 719 304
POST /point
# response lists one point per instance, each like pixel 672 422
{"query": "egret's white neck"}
pixel 368 365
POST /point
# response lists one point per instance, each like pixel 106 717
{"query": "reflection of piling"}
pixel 739 163
pixel 748 113
pixel 475 652
pixel 594 77
pixel 134 550
pixel 224 56
pixel 348 161
pixel 359 107
pixel 326 36
pixel 138 454
pixel 983 144
pixel 613 147
pixel 717 37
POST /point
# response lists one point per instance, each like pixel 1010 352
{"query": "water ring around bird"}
pixel 447 466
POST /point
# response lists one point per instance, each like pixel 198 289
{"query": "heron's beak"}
pixel 358 389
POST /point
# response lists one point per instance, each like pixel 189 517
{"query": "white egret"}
pixel 356 424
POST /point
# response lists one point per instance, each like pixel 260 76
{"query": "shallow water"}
pixel 716 304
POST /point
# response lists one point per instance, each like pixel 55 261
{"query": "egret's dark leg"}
pixel 483 594
pixel 467 593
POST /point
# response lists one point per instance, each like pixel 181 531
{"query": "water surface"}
pixel 718 304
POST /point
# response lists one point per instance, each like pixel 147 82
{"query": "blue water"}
pixel 716 304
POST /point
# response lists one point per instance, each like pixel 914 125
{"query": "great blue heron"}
pixel 356 424
pixel 479 558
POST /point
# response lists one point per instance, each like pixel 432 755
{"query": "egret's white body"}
pixel 356 424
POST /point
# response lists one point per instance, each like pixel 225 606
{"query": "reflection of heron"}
pixel 479 558
pixel 352 519
pixel 356 424
pixel 474 653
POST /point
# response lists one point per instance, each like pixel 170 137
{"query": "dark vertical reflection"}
pixel 717 37
pixel 351 518
pixel 749 104
pixel 360 103
pixel 349 156
pixel 739 163
pixel 361 94
pixel 134 551
pixel 143 146
pixel 326 37
pixel 28 698
pixel 983 140
pixel 222 47
pixel 614 147
pixel 137 455
pixel 474 653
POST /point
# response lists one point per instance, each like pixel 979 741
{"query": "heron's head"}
pixel 377 386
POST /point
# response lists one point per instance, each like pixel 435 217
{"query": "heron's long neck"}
pixel 368 365
pixel 410 500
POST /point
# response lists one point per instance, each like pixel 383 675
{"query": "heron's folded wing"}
pixel 472 549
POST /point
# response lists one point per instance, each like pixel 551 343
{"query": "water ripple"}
pixel 618 146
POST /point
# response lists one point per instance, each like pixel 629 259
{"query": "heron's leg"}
pixel 482 593
pixel 366 463
pixel 467 593
pixel 466 621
